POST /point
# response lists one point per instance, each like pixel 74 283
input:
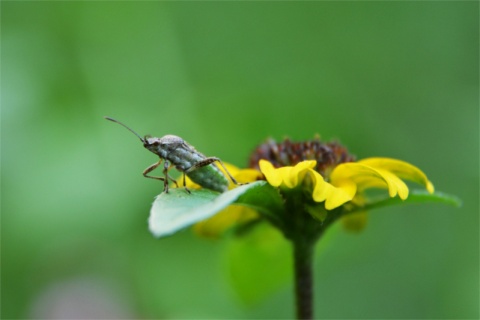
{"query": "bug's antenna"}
pixel 113 120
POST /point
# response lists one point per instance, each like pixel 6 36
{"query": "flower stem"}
pixel 303 259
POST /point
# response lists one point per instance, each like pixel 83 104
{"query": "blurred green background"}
pixel 394 79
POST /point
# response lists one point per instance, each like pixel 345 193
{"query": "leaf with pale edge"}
pixel 177 209
pixel 415 196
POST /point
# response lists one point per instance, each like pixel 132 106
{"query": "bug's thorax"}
pixel 174 149
pixel 162 146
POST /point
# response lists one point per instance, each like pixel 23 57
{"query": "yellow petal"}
pixel 342 193
pixel 333 196
pixel 400 187
pixel 241 175
pixel 247 175
pixel 400 168
pixel 297 173
pixel 321 189
pixel 367 177
pixel 230 167
pixel 287 176
pixel 273 176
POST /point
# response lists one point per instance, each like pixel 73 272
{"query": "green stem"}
pixel 303 259
pixel 303 231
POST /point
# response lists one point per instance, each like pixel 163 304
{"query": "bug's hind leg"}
pixel 210 160
pixel 185 183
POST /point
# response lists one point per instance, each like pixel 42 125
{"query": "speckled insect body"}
pixel 174 151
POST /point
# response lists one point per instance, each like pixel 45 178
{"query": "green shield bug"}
pixel 175 151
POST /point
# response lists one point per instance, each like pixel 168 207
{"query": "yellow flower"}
pixel 309 186
pixel 332 178
pixel 349 179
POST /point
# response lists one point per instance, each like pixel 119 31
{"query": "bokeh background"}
pixel 394 79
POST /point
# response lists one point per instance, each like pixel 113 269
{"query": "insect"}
pixel 175 151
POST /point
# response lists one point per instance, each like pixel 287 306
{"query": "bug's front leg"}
pixel 151 168
pixel 165 172
pixel 166 167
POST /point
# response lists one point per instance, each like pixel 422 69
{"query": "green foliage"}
pixel 396 79
pixel 415 196
pixel 260 259
pixel 178 209
pixel 259 263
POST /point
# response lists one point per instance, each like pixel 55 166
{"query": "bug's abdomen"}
pixel 209 177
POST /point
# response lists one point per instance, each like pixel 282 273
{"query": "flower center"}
pixel 288 153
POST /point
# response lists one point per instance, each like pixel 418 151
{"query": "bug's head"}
pixel 162 145
pixel 151 143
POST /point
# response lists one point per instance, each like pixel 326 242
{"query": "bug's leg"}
pixel 171 179
pixel 229 174
pixel 166 167
pixel 151 168
pixel 165 180
pixel 185 182
pixel 210 160
pixel 165 173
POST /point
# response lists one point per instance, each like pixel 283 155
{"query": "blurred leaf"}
pixel 415 196
pixel 259 263
pixel 355 222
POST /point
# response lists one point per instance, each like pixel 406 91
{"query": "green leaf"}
pixel 259 263
pixel 266 200
pixel 177 209
pixel 415 196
